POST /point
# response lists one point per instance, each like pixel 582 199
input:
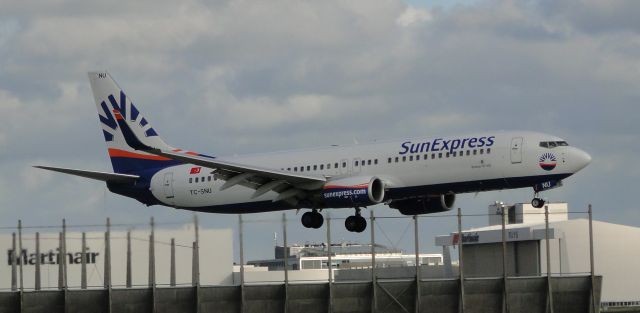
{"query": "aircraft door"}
pixel 357 163
pixel 516 150
pixel 168 185
pixel 344 166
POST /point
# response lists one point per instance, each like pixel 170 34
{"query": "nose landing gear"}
pixel 355 223
pixel 537 202
pixel 312 219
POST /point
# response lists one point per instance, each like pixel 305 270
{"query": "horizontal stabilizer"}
pixel 107 177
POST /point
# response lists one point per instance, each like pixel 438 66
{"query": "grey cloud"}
pixel 240 76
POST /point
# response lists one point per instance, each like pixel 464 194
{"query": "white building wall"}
pixel 216 257
pixel 616 254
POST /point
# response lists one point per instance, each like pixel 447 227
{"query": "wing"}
pixel 261 179
pixel 106 177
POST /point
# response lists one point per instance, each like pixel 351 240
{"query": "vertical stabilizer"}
pixel 110 98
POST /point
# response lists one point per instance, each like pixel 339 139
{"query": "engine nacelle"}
pixel 425 205
pixel 353 192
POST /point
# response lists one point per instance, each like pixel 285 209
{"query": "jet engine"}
pixel 426 205
pixel 353 192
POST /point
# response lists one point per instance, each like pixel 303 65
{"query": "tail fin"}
pixel 111 98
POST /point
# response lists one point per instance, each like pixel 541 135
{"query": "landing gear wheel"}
pixel 312 219
pixel 537 203
pixel 355 223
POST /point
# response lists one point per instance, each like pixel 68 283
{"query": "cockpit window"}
pixel 553 144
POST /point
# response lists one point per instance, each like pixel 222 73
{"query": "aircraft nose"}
pixel 582 159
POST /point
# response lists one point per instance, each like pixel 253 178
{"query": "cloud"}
pixel 242 76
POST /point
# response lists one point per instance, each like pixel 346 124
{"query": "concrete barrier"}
pixel 569 294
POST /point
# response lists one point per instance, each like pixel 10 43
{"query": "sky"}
pixel 233 77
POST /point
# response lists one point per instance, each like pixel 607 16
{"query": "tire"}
pixel 537 203
pixel 318 220
pixel 351 223
pixel 361 224
pixel 307 219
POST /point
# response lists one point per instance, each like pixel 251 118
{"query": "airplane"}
pixel 414 176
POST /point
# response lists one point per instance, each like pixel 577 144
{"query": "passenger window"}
pixel 308 168
pixel 289 169
pixel 196 179
pixel 396 159
pixel 315 167
pixel 426 156
pixel 447 154
pixel 389 160
pixel 481 151
pixel 301 168
pixel 356 163
pixel 417 157
pixel 433 156
pixel 344 164
pixel 488 150
pixel 440 155
pixel 368 162
pixel 208 178
pixel 468 152
pixel 190 180
pixel 411 158
pixel 321 166
pixel 404 158
pixel 475 152
pixel 336 165
pixel 295 169
pixel 375 161
pixel 328 166
pixel 453 153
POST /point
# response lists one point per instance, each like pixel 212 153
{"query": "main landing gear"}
pixel 312 219
pixel 537 202
pixel 356 223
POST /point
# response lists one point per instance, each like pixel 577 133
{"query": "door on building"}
pixel 516 150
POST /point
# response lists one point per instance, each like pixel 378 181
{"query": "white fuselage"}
pixel 409 168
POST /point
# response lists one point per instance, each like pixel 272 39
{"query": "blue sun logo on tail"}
pixel 547 161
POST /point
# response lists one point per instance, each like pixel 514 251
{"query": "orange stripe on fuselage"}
pixel 117 153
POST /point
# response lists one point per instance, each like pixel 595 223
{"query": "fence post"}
pixel 107 264
pixel 38 280
pixel 505 292
pixel 152 265
pixel 241 235
pixel 64 257
pixel 546 236
pixel 285 259
pixel 20 255
pixel 417 247
pixel 129 259
pixel 172 270
pixel 594 303
pixel 460 262
pixel 195 263
pixel 329 264
pixel 374 301
pixel 83 262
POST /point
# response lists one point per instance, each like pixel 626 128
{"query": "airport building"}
pixel 615 248
pixel 217 252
